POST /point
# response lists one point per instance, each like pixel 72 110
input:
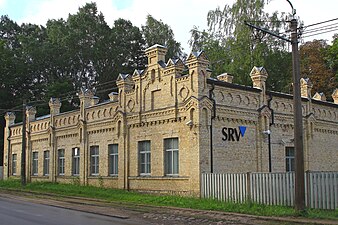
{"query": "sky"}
pixel 180 15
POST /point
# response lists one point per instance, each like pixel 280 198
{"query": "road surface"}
pixel 29 208
pixel 18 212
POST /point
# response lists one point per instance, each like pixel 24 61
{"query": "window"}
pixel 14 160
pixel 61 161
pixel 171 156
pixel 290 159
pixel 145 159
pixel 113 159
pixel 35 164
pixel 46 163
pixel 94 160
pixel 76 161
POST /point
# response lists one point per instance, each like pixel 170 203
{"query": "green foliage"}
pixel 56 60
pixel 116 195
pixel 157 32
pixel 235 48
pixel 318 63
pixel 332 56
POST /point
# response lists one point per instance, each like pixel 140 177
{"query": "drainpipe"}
pixel 213 116
pixel 269 133
pixel 8 150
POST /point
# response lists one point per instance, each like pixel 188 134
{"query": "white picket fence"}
pixel 321 188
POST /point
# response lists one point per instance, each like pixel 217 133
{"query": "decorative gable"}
pixel 197 55
pixel 319 96
pixel 123 77
pixel 137 73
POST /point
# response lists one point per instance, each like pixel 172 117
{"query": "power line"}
pixel 328 31
pixel 318 28
pixel 314 24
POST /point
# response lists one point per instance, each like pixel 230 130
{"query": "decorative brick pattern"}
pixel 207 115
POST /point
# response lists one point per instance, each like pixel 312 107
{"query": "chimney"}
pixel 30 113
pixel 54 106
pixel 305 87
pixel 113 96
pixel 155 54
pixel 95 100
pixel 10 119
pixel 85 96
pixel 225 77
pixel 258 76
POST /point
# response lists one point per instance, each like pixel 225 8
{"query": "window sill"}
pixel 159 178
pixel 104 177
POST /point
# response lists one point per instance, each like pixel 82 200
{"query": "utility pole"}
pixel 297 111
pixel 298 122
pixel 23 152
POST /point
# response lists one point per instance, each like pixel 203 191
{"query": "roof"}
pixel 156 46
pixel 123 76
pixel 43 117
pixel 231 85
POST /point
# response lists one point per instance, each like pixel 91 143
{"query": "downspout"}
pixel 8 150
pixel 269 133
pixel 213 116
pixel 128 157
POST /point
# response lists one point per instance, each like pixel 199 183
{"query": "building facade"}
pixel 167 125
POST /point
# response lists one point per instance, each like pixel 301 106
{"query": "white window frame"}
pixel 171 163
pixel 61 162
pixel 46 158
pixel 144 149
pixel 35 163
pixel 289 159
pixel 76 161
pixel 94 160
pixel 14 164
pixel 113 159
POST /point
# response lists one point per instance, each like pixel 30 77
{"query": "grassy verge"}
pixel 175 201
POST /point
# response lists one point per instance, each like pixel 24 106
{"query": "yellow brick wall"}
pixel 161 103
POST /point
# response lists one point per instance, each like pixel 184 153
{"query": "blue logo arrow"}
pixel 242 130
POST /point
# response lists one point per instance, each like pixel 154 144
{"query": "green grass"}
pixel 115 195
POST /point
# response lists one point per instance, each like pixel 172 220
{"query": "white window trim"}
pixel 111 162
pixel 46 165
pixel 61 158
pixel 75 158
pixel 14 162
pixel 172 150
pixel 145 152
pixel 35 160
pixel 289 159
pixel 96 162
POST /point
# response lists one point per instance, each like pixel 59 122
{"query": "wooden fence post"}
pixel 248 187
pixel 308 188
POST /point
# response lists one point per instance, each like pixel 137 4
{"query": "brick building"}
pixel 167 125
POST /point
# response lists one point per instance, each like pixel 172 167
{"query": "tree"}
pixel 126 54
pixel 88 42
pixel 240 48
pixel 332 56
pixel 157 32
pixel 128 47
pixel 314 66
pixel 12 71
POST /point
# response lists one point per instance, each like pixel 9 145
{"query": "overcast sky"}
pixel 180 15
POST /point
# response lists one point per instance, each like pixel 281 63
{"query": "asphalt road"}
pixel 18 212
